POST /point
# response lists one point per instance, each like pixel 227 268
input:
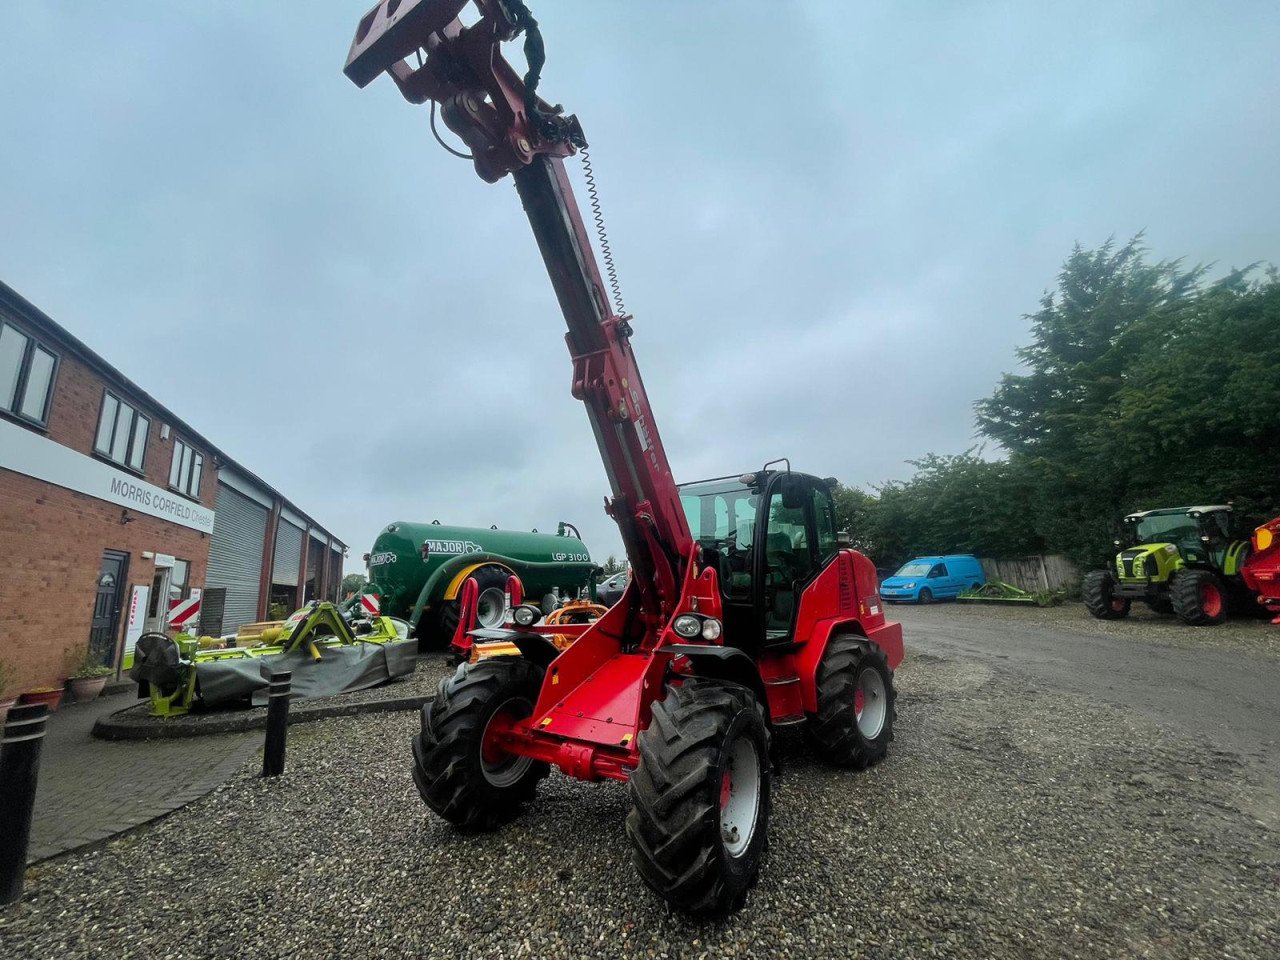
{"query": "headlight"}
pixel 526 615
pixel 1263 538
pixel 909 586
pixel 711 629
pixel 687 626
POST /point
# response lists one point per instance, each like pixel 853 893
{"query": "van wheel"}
pixel 924 596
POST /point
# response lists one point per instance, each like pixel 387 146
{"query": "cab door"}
pixel 786 553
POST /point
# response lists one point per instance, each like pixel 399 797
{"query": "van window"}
pixel 939 570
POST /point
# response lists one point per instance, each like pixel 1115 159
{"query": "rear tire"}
pixel 856 704
pixel 1161 604
pixel 699 815
pixel 1199 597
pixel 1098 590
pixel 450 768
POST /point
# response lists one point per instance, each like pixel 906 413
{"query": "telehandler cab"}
pixel 745 612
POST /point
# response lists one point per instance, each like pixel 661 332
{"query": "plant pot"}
pixel 84 689
pixel 5 704
pixel 49 696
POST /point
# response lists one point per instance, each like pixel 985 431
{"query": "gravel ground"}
pixel 1254 635
pixel 1007 822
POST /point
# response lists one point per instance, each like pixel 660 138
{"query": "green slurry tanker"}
pixel 417 571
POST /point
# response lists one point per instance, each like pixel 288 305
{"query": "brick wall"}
pixel 52 539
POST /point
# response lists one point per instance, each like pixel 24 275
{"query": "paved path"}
pixel 90 789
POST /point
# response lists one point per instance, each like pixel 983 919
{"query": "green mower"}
pixel 1179 560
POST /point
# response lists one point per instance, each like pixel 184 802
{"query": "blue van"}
pixel 926 579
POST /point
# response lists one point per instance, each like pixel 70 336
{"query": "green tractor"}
pixel 1179 560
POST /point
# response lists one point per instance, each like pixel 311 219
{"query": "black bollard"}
pixel 19 767
pixel 277 723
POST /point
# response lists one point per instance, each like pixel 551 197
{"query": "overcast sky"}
pixel 829 220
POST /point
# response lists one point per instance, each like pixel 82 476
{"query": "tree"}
pixel 611 566
pixel 1144 387
pixel 353 583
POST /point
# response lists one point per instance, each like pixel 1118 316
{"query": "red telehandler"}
pixel 746 611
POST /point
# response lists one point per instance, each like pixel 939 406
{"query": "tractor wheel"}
pixel 491 600
pixel 458 771
pixel 1098 591
pixel 700 798
pixel 1161 603
pixel 856 703
pixel 1199 598
pixel 924 596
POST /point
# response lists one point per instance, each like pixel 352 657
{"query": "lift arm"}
pixel 432 56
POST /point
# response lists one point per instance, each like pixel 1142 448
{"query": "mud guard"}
pixel 722 663
pixel 534 647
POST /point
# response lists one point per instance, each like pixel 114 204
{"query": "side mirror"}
pixel 793 490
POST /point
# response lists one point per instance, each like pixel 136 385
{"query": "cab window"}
pixel 826 525
pixel 939 570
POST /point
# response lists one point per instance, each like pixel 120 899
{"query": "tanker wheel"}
pixel 1098 591
pixel 699 815
pixel 459 769
pixel 856 704
pixel 491 601
pixel 1199 597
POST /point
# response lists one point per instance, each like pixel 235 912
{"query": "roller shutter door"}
pixel 288 555
pixel 235 556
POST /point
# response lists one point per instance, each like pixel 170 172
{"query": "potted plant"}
pixel 49 696
pixel 87 679
pixel 6 701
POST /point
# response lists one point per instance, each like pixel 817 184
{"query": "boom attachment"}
pixel 509 129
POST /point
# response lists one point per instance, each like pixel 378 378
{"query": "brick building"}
pixel 116 516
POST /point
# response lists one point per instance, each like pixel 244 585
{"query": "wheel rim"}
pixel 490 607
pixel 870 703
pixel 501 768
pixel 1210 599
pixel 739 796
pixel 926 596
pixel 1117 605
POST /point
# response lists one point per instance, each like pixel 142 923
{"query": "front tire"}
pixel 1098 591
pixel 856 704
pixel 1199 597
pixel 461 775
pixel 699 815
pixel 924 596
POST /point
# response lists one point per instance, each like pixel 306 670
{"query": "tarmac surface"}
pixel 1220 685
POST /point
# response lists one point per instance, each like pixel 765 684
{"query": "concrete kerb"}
pixel 135 723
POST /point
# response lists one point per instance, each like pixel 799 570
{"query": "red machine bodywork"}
pixel 598 693
pixel 1261 571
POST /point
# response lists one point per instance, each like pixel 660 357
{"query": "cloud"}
pixel 829 221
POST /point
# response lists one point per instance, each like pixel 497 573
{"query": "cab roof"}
pixel 1174 511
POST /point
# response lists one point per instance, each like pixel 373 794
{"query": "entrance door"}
pixel 788 555
pixel 106 607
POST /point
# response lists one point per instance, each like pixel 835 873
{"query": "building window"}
pixel 122 433
pixel 185 471
pixel 26 375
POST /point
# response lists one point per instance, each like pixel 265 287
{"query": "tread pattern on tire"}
pixel 674 820
pixel 1095 590
pixel 833 730
pixel 1184 592
pixel 446 752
